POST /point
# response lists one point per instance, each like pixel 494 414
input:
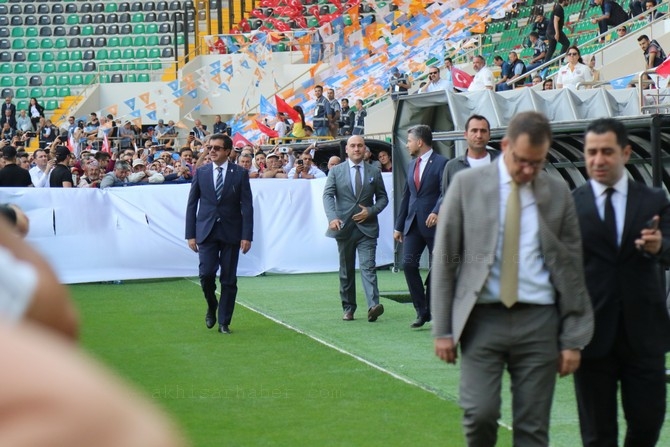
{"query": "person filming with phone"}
pixel 304 168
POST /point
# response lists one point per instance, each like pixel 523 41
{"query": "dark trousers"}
pixel 413 245
pixel 551 46
pixel 214 254
pixel 643 396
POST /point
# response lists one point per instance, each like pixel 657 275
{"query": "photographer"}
pixel 305 169
pixel 39 173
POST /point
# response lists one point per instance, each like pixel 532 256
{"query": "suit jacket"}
pixel 234 209
pixel 465 244
pixel 418 204
pixel 625 284
pixel 340 202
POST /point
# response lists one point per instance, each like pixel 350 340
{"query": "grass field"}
pixel 292 372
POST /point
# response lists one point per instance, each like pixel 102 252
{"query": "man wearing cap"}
pixel 61 176
pixel 142 175
pixel 274 168
pixel 399 84
pixel 12 174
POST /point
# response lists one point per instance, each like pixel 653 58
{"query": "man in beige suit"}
pixel 508 285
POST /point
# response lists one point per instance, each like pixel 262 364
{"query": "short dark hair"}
pixel 448 59
pixel 497 58
pixel 534 34
pixel 533 124
pixel 642 37
pixel 422 132
pixel 603 125
pixel 478 118
pixel 227 141
pixel 479 56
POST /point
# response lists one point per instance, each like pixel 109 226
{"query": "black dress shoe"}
pixel 224 329
pixel 419 322
pixel 210 318
pixel 348 316
pixel 374 312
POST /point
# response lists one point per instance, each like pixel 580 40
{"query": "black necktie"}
pixel 610 218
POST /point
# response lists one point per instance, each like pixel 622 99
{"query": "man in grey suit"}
pixel 353 197
pixel 508 285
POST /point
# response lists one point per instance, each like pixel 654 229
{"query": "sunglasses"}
pixel 432 73
pixel 573 54
pixel 216 148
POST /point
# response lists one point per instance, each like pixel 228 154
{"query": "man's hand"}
pixel 397 236
pixel 245 246
pixel 568 361
pixel 335 225
pixel 651 239
pixel 431 221
pixel 362 215
pixel 445 349
pixel 192 245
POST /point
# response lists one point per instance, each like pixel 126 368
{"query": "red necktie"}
pixel 417 172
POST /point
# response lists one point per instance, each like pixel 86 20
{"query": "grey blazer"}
pixel 465 245
pixel 340 202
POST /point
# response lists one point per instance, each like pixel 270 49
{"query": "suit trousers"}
pixel 523 339
pixel 551 46
pixel 643 396
pixel 367 248
pixel 215 254
pixel 413 245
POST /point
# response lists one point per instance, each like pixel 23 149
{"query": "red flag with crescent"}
pixel 461 79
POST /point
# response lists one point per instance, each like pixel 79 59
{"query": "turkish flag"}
pixel 240 141
pixel 282 106
pixel 663 70
pixel 266 130
pixel 460 79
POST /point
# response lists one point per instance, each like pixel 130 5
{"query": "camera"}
pixel 283 150
pixel 300 162
pixel 192 134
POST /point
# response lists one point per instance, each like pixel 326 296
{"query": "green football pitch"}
pixel 292 372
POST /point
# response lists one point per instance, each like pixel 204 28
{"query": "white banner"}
pixel 138 232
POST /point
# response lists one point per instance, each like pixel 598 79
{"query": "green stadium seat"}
pixel 73 19
pixel 87 30
pixel 152 28
pixel 20 67
pixel 89 79
pixel 64 67
pixel 76 67
pixel 114 66
pixel 115 54
pixel 18 31
pixel 110 7
pixel 64 81
pixel 51 92
pixel 31 31
pixel 143 77
pixel 154 52
pixel 46 44
pixel 139 41
pixel 75 55
pixel 21 81
pixel 102 54
pixel 139 28
pixel 137 18
pixel 113 42
pixel 36 92
pixel 21 93
pixel 180 37
pixel 51 104
pixel 18 44
pixel 61 42
pixel 6 81
pixel 152 41
pixel 47 56
pixel 35 67
pixel 22 105
pixel 6 68
pixel 34 56
pixel 63 55
pixel 77 80
pixel 141 53
pixel 49 67
pixel 104 79
pixel 50 80
pixel 129 53
pixel 131 77
pixel 127 41
pixel 141 66
pixel 156 65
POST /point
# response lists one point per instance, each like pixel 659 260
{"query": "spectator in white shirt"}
pixel 39 174
pixel 483 79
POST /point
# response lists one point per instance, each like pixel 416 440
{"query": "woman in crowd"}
pixel 574 71
pixel 36 112
pixel 298 130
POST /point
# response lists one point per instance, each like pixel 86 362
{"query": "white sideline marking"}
pixel 342 351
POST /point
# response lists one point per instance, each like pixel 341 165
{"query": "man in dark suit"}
pixel 415 224
pixel 219 224
pixel 353 197
pixel 625 229
pixel 8 105
pixel 508 285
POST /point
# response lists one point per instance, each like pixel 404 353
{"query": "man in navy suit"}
pixel 625 230
pixel 219 224
pixel 415 225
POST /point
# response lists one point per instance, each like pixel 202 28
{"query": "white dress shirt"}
pixel 215 172
pixel 39 178
pixel 534 281
pixel 619 198
pixel 352 174
pixel 424 162
pixel 483 80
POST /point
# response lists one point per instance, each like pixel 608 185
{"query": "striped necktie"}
pixel 219 183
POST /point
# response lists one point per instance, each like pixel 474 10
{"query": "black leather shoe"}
pixel 374 312
pixel 224 329
pixel 348 316
pixel 210 318
pixel 419 322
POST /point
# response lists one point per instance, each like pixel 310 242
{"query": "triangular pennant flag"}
pixel 206 102
pixel 152 115
pixel 178 102
pixel 622 82
pixel 217 79
pixel 145 97
pixel 197 108
pixel 130 103
pixel 136 113
pixel 193 93
pixel 245 64
pixel 151 106
pixel 267 108
pixel 229 68
pixel 224 86
pixel 174 85
pixel 178 93
pixel 113 109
